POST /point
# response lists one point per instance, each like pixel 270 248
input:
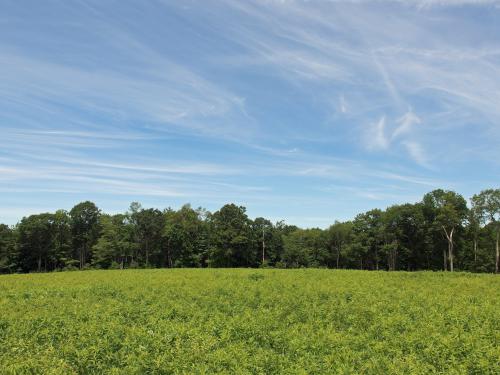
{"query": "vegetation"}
pixel 205 321
pixel 439 233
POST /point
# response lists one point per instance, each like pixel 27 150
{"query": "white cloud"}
pixel 342 104
pixel 417 153
pixel 376 138
pixel 244 93
pixel 379 138
pixel 170 94
pixel 406 123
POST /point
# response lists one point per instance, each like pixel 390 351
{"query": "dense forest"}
pixel 441 232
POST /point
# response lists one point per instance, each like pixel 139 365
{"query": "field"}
pixel 205 321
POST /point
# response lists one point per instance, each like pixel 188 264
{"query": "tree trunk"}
pixel 393 254
pixel 169 257
pixel 445 263
pixel 497 251
pixel 395 258
pixel 475 251
pixel 263 247
pixel 450 251
pixel 391 257
pixel 450 255
pixel 84 254
pixel 449 237
pixel 338 256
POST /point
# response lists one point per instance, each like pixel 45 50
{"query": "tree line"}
pixel 441 232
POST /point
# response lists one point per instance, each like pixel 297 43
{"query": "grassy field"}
pixel 249 321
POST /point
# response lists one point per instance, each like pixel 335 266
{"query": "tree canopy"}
pixel 438 233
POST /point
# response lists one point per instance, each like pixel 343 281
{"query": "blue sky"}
pixel 308 111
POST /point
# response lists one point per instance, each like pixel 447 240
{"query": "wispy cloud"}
pixel 174 97
pixel 417 153
pixel 376 137
pixel 261 102
pixel 405 124
pixel 343 104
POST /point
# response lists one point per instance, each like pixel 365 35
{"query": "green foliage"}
pixel 305 248
pixel 231 238
pixel 35 242
pixel 85 228
pixel 403 237
pixel 115 246
pixel 438 233
pixel 185 233
pixel 61 240
pixel 207 321
pixel 337 237
pixel 8 256
pixel 487 205
pixel 149 226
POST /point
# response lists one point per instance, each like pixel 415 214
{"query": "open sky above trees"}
pixel 305 111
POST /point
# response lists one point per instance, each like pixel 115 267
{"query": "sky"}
pixel 307 111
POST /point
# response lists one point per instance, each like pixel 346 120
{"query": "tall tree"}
pixel 61 239
pixel 449 210
pixel 116 243
pixel 85 227
pixel 8 256
pixel 367 229
pixel 184 236
pixel 488 205
pixel 149 227
pixel 262 232
pixel 231 238
pixel 403 236
pixel 474 219
pixel 35 242
pixel 338 236
pixel 306 248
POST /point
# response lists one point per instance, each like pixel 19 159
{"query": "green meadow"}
pixel 249 321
